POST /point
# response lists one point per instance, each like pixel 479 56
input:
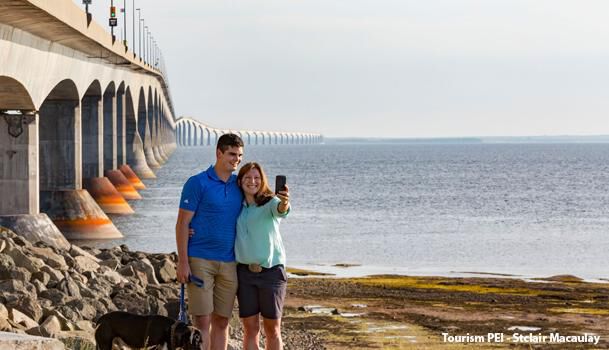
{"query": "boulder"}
pixel 40 287
pixel 77 251
pixel 84 308
pixel 3 311
pixel 20 318
pixel 68 286
pixel 66 325
pixel 56 296
pixel 145 266
pixel 13 272
pixel 32 264
pixel 5 325
pixel 41 276
pixel 85 263
pixel 54 275
pixel 49 257
pixel 165 271
pixel 27 305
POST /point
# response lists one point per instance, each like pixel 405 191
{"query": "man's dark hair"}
pixel 229 140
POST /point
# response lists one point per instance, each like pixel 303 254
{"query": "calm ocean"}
pixel 523 209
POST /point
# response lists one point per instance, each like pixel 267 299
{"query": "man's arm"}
pixel 184 218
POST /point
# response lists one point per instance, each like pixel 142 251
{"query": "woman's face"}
pixel 251 181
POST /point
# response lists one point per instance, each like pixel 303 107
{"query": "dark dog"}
pixel 139 331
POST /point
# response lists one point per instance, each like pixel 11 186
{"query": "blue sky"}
pixel 380 68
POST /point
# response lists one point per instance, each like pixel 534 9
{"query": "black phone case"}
pixel 280 182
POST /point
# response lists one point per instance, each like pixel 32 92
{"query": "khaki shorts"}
pixel 219 290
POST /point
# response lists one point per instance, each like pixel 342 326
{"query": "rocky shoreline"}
pixel 60 293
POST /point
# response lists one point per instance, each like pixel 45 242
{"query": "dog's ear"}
pixel 195 337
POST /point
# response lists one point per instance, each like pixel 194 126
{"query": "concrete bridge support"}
pixel 62 198
pixel 148 127
pixel 135 145
pixel 19 168
pixel 99 135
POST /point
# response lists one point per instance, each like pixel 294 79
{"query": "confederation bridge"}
pixel 82 120
pixel 191 132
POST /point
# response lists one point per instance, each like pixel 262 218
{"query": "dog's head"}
pixel 187 338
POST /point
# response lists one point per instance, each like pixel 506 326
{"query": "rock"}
pixel 85 263
pixel 17 288
pixel 40 287
pixel 22 319
pixel 40 332
pixel 69 313
pixel 52 324
pixel 145 266
pixel 84 308
pixel 77 251
pixel 68 286
pixel 54 275
pixel 138 278
pixel 106 254
pixel 100 286
pixel 17 273
pixel 113 263
pixel 49 257
pixel 41 276
pixel 27 305
pixel 22 242
pixel 14 341
pixel 5 325
pixel 56 296
pixel 7 264
pixel 114 277
pixel 65 324
pixel 3 312
pixel 2 245
pixel 77 340
pixel 131 302
pixel 166 271
pixel 32 264
pixel 85 326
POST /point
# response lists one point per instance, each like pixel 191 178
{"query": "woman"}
pixel 261 258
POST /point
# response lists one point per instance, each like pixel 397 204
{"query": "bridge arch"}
pixel 17 150
pixel 60 166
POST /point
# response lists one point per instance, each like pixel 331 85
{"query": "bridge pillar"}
pixel 110 129
pixel 135 151
pixel 121 155
pixel 19 160
pixel 62 198
pixel 99 135
pixel 154 133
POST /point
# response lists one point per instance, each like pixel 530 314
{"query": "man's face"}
pixel 229 160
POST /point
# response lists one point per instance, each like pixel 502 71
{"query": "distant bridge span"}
pixel 192 132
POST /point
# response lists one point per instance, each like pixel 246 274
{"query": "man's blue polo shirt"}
pixel 216 205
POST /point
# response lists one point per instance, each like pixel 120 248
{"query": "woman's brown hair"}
pixel 265 193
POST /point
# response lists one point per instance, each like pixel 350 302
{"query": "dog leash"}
pixel 182 315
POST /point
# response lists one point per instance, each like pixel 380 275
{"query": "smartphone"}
pixel 280 182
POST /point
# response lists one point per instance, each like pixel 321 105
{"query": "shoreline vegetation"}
pixel 52 292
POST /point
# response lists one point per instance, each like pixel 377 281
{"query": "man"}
pixel 210 204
